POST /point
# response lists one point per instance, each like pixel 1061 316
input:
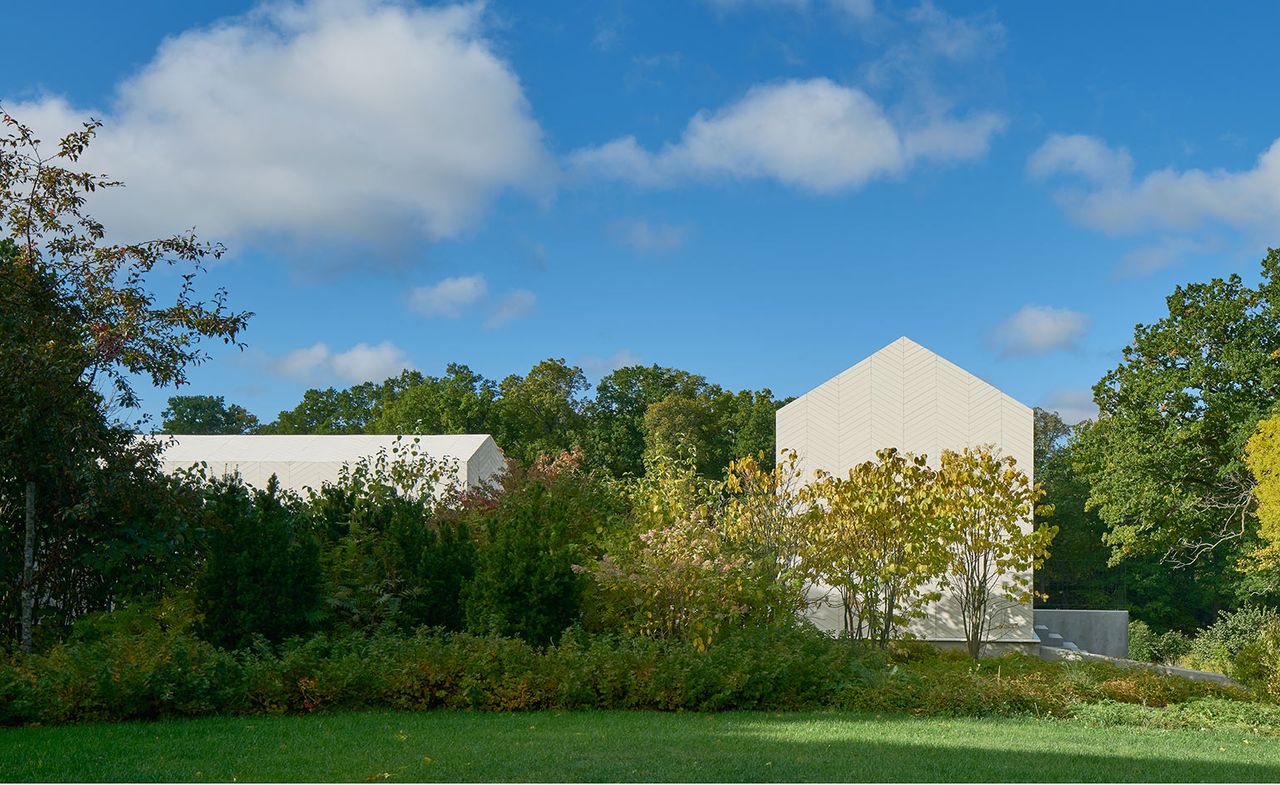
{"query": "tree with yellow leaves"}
pixel 877 542
pixel 986 504
pixel 763 514
pixel 1262 455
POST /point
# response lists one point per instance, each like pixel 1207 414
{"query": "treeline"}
pixel 633 412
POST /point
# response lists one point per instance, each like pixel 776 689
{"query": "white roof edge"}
pixel 312 448
pixel 905 339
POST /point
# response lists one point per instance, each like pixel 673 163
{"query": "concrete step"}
pixel 1053 640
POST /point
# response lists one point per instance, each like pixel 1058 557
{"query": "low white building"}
pixel 907 397
pixel 301 462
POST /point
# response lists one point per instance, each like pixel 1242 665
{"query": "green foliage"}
pixel 1215 647
pixel 699 558
pixel 879 542
pixel 146 666
pixel 1196 714
pixel 263 577
pixel 352 410
pixel 1165 459
pixel 541 414
pixel 205 414
pixel 1146 645
pixel 1257 663
pixel 1076 574
pixel 462 401
pixel 395 552
pixel 79 319
pixel 527 582
pixel 985 502
pixel 615 437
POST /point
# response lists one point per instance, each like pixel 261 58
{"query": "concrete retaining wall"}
pixel 1099 632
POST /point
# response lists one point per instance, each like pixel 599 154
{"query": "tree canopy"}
pixel 1165 459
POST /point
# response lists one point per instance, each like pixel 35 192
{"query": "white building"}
pixel 302 462
pixel 906 396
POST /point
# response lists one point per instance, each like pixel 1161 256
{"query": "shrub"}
pixel 136 665
pixel 539 529
pixel 675 572
pixel 1215 647
pixel 394 561
pixel 1257 664
pixel 396 551
pixel 1146 645
pixel 139 663
pixel 263 574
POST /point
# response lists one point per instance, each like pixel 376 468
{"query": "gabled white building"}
pixel 302 462
pixel 906 396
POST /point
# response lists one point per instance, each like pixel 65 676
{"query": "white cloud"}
pixel 515 305
pixel 1038 329
pixel 601 366
pixel 956 38
pixel 1082 155
pixel 645 237
pixel 360 363
pixel 1071 405
pixel 449 297
pixel 314 120
pixel 814 135
pixel 305 363
pixel 1165 200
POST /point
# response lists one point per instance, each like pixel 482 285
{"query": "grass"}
pixel 630 746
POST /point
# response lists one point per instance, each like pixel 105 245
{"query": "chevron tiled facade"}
pixel 906 396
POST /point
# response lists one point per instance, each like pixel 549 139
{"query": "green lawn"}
pixel 629 746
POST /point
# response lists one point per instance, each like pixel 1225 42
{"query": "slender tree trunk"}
pixel 28 564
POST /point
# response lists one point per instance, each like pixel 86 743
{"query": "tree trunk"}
pixel 28 566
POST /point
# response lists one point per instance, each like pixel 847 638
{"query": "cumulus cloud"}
pixel 1169 200
pixel 815 135
pixel 360 363
pixel 1038 329
pixel 515 305
pixel 311 121
pixel 449 297
pixel 304 363
pixel 646 237
pixel 1072 406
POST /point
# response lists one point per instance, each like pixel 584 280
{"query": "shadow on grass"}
pixel 630 746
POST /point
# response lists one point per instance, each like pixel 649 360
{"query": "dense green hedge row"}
pixel 156 672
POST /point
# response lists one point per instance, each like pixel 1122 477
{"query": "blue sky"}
pixel 759 191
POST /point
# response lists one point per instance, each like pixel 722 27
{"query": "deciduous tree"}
pixel 205 414
pixel 110 328
pixel 986 504
pixel 879 542
pixel 1262 454
pixel 1165 459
